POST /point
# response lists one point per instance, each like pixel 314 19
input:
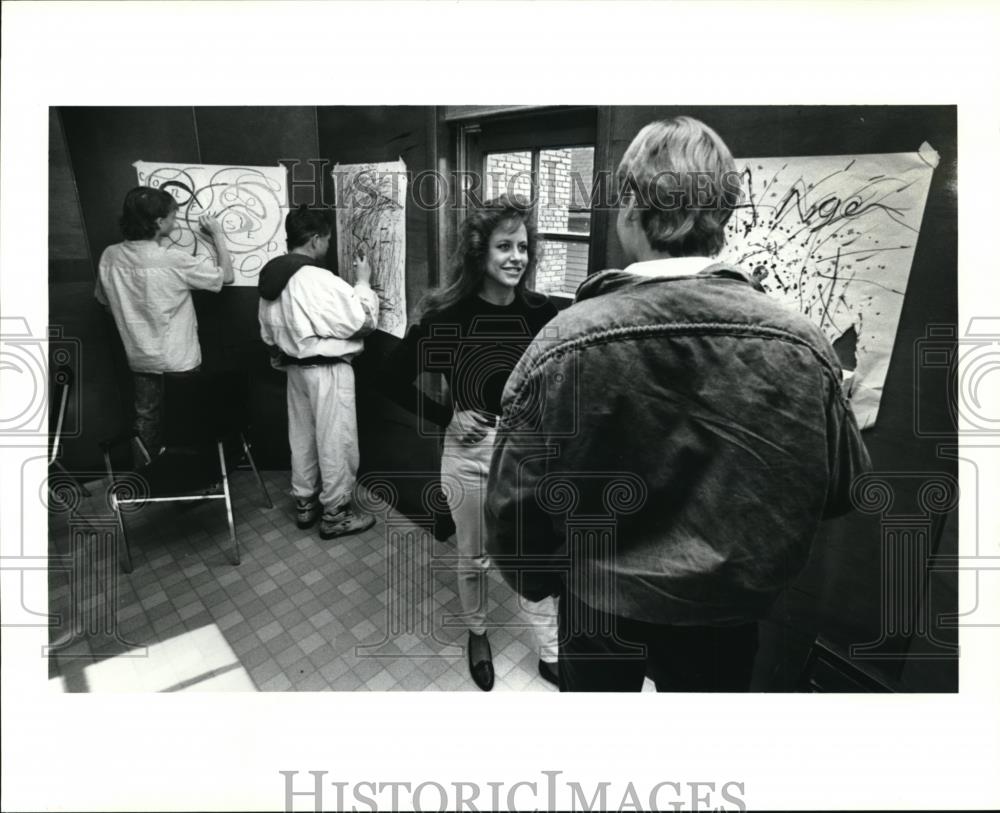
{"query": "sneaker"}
pixel 344 522
pixel 306 512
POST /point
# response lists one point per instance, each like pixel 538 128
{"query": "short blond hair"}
pixel 684 181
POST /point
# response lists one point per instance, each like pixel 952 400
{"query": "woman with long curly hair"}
pixel 473 331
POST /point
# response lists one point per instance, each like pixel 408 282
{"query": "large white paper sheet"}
pixel 834 237
pixel 371 214
pixel 251 203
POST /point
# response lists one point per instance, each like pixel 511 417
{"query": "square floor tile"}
pixel 311 642
pixel 334 669
pixel 279 683
pixel 264 671
pixel 381 682
pixel 346 682
pixel 291 655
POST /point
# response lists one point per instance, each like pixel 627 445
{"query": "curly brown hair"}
pixel 469 261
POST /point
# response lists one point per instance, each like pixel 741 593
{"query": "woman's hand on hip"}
pixel 471 425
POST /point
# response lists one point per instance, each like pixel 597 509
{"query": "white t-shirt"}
pixel 148 289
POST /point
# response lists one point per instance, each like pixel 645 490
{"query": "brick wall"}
pixel 508 173
pixel 553 215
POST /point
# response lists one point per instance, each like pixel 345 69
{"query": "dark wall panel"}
pixel 256 136
pixel 103 144
pixel 841 590
pixel 95 406
pixel 69 259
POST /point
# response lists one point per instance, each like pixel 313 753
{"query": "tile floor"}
pixel 373 611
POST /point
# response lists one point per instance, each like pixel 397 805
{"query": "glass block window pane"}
pixel 508 173
pixel 582 171
pixel 565 179
pixel 562 266
pixel 579 222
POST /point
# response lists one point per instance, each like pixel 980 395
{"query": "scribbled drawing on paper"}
pixel 834 237
pixel 250 202
pixel 371 214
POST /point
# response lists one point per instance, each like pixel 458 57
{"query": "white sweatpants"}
pixel 465 467
pixel 323 433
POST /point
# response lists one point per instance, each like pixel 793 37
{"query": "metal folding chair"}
pixel 62 384
pixel 203 417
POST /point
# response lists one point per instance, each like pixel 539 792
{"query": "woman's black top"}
pixel 474 344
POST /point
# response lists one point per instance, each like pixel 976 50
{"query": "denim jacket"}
pixel 668 449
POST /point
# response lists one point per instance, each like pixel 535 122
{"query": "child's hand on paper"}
pixel 362 271
pixel 211 225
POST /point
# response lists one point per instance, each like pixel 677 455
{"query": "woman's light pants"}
pixel 464 471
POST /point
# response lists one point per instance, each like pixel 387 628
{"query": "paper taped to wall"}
pixel 250 202
pixel 834 237
pixel 371 214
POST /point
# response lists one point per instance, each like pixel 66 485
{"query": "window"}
pixel 547 158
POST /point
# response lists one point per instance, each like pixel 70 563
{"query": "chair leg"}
pixel 253 465
pixel 108 469
pixel 127 565
pixel 229 504
pixel 142 449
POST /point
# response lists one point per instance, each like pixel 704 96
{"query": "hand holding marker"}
pixel 212 226
pixel 362 271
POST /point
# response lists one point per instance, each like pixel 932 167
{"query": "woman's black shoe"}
pixel 481 661
pixel 549 672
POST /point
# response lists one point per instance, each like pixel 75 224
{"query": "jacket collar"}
pixel 275 275
pixel 669 267
pixel 615 279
